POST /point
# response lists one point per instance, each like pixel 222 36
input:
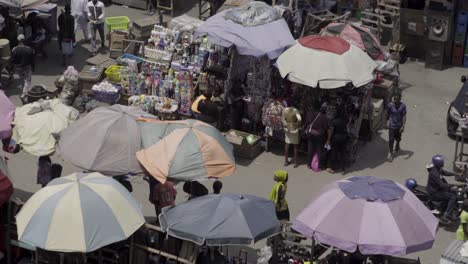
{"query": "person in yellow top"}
pixel 278 195
pixel 462 231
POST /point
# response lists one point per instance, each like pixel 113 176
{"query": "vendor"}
pixel 209 112
pixel 204 93
pixel 219 99
pixel 236 105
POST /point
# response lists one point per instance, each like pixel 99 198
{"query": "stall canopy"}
pixel 255 29
pixel 359 36
pixel 22 4
pixel 221 219
pixel 79 213
pixel 185 150
pixel 382 218
pixel 326 62
pixel 105 140
pixel 7 113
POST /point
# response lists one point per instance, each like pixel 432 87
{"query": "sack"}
pixel 315 164
pixel 311 131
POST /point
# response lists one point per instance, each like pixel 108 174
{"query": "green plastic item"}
pixel 250 139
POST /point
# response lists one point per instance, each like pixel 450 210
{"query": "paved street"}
pixel 427 102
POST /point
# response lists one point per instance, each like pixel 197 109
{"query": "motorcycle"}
pixel 438 207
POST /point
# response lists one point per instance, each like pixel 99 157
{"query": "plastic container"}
pixel 113 73
pixel 107 97
pixel 117 23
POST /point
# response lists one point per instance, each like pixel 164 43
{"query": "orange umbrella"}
pixel 184 150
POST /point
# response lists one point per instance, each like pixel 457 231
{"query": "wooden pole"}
pixel 312 251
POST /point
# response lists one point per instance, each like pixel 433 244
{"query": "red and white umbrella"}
pixel 326 62
pixel 359 36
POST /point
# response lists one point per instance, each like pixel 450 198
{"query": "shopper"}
pixel 217 186
pixel 44 173
pixel 96 15
pixel 22 57
pixel 292 122
pixel 462 231
pixel 164 194
pixel 66 34
pixel 79 11
pixel 339 138
pixel 396 123
pixel 278 195
pixel 316 129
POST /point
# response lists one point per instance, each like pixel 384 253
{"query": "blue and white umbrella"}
pixel 79 213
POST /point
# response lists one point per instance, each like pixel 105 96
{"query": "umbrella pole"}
pixel 312 251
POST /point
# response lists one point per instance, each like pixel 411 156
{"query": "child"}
pixel 217 186
pixel 462 231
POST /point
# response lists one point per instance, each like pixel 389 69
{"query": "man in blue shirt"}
pixel 396 123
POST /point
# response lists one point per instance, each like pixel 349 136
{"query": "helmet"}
pixel 438 161
pixel 411 183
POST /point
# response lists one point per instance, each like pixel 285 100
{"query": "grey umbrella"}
pixel 104 141
pixel 221 219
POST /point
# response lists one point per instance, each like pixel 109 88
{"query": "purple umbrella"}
pixel 7 113
pixel 269 39
pixel 373 215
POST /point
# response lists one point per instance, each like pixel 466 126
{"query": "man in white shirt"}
pixel 96 17
pixel 79 11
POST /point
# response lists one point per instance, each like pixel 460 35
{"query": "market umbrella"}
pixel 22 4
pixel 269 39
pixel 327 62
pixel 359 36
pixel 36 125
pixel 6 188
pixel 185 150
pixel 79 213
pixel 7 113
pixel 376 216
pixel 253 14
pixel 105 140
pixel 221 219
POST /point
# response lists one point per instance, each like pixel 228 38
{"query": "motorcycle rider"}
pixel 438 188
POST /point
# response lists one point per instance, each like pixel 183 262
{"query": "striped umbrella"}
pixel 184 150
pixel 79 213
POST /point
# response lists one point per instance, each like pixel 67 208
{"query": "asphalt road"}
pixel 426 99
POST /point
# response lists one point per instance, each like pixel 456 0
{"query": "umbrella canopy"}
pixel 6 188
pixel 269 39
pixel 79 213
pixel 373 215
pixel 221 219
pixel 38 122
pixel 359 36
pixel 326 62
pixel 7 113
pixel 253 14
pixel 22 4
pixel 105 140
pixel 185 150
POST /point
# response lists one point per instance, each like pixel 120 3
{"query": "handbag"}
pixel 311 131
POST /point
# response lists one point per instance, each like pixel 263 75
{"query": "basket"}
pixel 118 23
pixel 107 97
pixel 113 73
pixel 121 60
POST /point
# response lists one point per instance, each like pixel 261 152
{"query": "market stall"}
pixel 339 83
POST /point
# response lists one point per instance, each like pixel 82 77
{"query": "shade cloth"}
pixel 105 140
pixel 185 150
pixel 221 219
pixel 79 213
pixel 269 39
pixel 7 113
pixel 359 36
pixel 22 4
pixel 331 44
pixel 327 70
pixel 37 123
pixel 397 227
pixel 253 14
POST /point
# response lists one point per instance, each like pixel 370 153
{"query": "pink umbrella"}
pixel 7 113
pixel 372 215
